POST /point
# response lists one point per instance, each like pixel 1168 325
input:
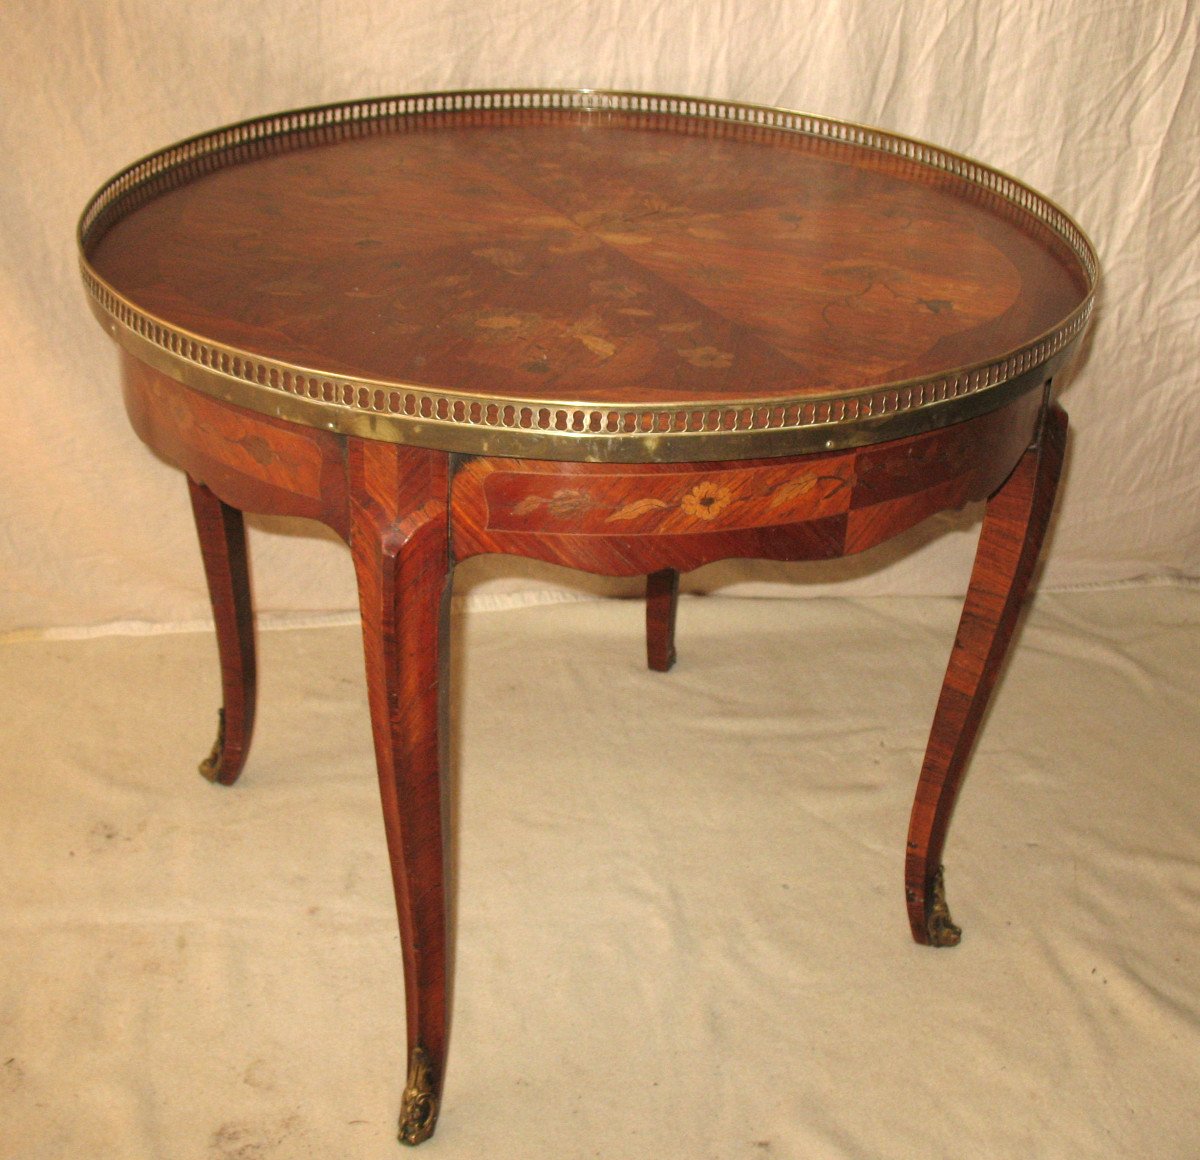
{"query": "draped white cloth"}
pixel 1095 104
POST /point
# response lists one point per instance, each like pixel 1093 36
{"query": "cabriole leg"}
pixel 662 599
pixel 399 543
pixel 1014 526
pixel 223 548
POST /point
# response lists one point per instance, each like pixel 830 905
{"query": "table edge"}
pixel 679 431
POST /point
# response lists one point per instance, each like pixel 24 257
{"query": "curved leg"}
pixel 662 599
pixel 1014 526
pixel 223 548
pixel 399 542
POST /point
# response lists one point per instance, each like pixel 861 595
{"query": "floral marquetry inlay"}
pixel 617 503
pixel 585 276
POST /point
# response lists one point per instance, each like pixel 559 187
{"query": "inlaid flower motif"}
pixel 706 501
pixel 589 330
pixel 707 357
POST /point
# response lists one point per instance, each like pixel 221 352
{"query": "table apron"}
pixel 630 519
pixel 251 462
pixel 613 519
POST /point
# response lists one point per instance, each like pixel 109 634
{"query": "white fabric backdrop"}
pixel 1095 104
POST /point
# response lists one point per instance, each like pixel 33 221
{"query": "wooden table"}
pixel 630 334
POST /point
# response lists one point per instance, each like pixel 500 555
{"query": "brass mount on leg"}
pixel 210 767
pixel 940 927
pixel 418 1105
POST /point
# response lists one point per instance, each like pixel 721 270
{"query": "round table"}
pixel 626 333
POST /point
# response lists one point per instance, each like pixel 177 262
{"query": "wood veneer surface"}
pixel 595 257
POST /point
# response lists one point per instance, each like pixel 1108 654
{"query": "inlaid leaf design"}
pixel 707 357
pixel 570 502
pixel 837 483
pixel 638 508
pixel 597 345
pixel 793 489
pixel 803 484
pixel 564 502
pixel 529 505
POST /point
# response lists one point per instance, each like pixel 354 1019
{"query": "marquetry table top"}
pixel 585 275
